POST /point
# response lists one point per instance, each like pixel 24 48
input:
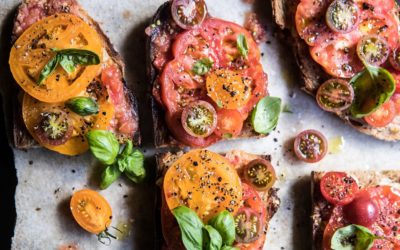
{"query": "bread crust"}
pixel 270 197
pixel 321 209
pixel 312 73
pixel 162 136
pixel 20 135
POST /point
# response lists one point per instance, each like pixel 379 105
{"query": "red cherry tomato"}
pixel 229 123
pixel 382 116
pixel 338 188
pixel 362 210
pixel 310 146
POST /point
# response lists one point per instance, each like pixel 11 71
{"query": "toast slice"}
pixel 321 209
pixel 164 27
pixel 312 73
pixel 30 11
pixel 270 197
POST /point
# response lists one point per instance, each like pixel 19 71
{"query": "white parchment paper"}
pixel 47 180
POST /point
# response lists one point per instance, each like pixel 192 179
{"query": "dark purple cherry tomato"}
pixel 310 146
pixel 188 13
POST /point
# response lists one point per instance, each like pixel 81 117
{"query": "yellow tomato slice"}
pixel 203 181
pixel 33 50
pixel 91 210
pixel 31 113
pixel 228 89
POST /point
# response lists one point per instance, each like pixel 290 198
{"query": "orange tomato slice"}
pixel 33 50
pixel 203 181
pixel 31 114
pixel 228 89
pixel 91 210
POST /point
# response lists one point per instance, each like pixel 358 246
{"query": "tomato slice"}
pixel 342 15
pixel 230 123
pixel 310 146
pixel 335 95
pixel 260 174
pixel 248 225
pixel 373 50
pixel 338 188
pixel 396 100
pixel 199 119
pixel 382 116
pixel 188 13
pixel 185 184
pixel 54 128
pixel 91 211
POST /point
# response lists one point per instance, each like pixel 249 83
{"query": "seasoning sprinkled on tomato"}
pixel 338 188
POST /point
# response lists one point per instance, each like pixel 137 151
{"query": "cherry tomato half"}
pixel 362 210
pixel 342 16
pixel 335 95
pixel 248 225
pixel 54 128
pixel 91 210
pixel 260 174
pixel 382 116
pixel 199 119
pixel 310 146
pixel 373 50
pixel 395 59
pixel 229 123
pixel 338 188
pixel 188 13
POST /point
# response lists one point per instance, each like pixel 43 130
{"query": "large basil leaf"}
pixel 224 223
pixel 229 248
pixel 212 239
pixel 372 88
pixel 265 115
pixel 48 69
pixel 353 237
pixel 191 227
pixel 133 166
pixel 103 145
pixel 109 175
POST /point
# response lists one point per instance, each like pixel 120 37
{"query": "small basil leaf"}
pixel 242 45
pixel 109 175
pixel 212 239
pixel 48 69
pixel 83 106
pixel 80 56
pixel 202 66
pixel 229 248
pixel 224 223
pixel 352 237
pixel 67 63
pixel 103 145
pixel 191 227
pixel 372 88
pixel 265 115
pixel 134 168
pixel 227 136
pixel 128 149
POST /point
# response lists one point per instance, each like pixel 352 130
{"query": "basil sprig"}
pixel 219 234
pixel 265 115
pixel 353 237
pixel 242 46
pixel 68 59
pixel 116 159
pixel 372 88
pixel 202 66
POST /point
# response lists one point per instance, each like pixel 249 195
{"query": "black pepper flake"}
pixel 30 162
pixel 38 209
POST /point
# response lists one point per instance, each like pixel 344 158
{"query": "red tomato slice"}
pixel 229 123
pixel 396 76
pixel 338 188
pixel 396 100
pixel 379 5
pixel 388 202
pixel 383 116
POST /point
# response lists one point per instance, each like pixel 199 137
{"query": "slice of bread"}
pixel 321 209
pixel 20 135
pixel 163 24
pixel 312 73
pixel 270 197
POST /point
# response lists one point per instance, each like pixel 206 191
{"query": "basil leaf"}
pixel 372 88
pixel 109 175
pixel 67 63
pixel 242 45
pixel 212 239
pixel 202 66
pixel 229 248
pixel 133 166
pixel 128 149
pixel 224 223
pixel 191 227
pixel 48 69
pixel 103 145
pixel 83 106
pixel 265 115
pixel 352 237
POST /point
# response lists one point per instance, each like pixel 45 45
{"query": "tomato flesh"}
pixel 229 123
pixel 310 146
pixel 383 116
pixel 338 188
